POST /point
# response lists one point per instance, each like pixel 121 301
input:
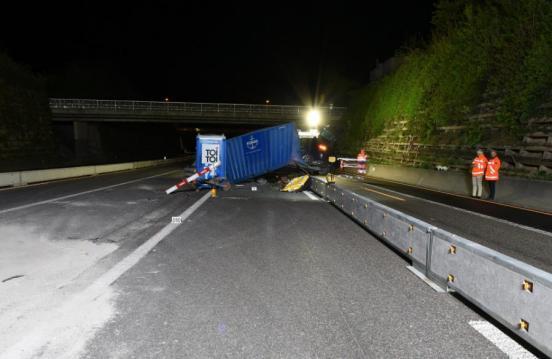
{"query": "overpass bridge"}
pixel 90 110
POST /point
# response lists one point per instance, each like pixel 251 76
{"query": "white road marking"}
pixel 60 330
pixel 503 342
pixel 536 230
pixel 463 196
pixel 81 193
pixel 311 195
pixel 426 280
pixel 385 194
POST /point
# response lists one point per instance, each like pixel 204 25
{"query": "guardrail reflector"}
pixel 410 227
pixel 452 249
pixel 527 286
pixel 523 325
pixel 409 250
pixel 450 278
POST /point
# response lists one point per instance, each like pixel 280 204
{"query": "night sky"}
pixel 208 51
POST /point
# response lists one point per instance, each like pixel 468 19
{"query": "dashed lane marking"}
pixel 503 342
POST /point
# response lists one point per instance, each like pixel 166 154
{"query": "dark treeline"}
pixel 25 121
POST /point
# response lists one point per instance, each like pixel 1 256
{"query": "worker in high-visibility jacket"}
pixel 479 164
pixel 362 157
pixel 491 173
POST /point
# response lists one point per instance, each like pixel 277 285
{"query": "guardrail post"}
pixel 429 248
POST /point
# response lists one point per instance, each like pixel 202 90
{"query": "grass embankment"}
pixel 492 51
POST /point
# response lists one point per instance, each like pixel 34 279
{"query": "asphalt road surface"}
pixel 484 225
pixel 516 214
pixel 249 274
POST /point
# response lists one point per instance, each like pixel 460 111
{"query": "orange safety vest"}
pixel 361 158
pixel 491 174
pixel 479 164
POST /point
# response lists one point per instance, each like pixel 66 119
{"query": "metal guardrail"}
pixel 184 107
pixel 513 292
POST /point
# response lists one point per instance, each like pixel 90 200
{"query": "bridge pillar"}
pixel 87 140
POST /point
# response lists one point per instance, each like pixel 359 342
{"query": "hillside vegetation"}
pixel 480 52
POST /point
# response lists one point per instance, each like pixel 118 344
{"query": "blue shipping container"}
pixel 261 151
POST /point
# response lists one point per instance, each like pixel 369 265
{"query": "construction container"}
pixel 261 151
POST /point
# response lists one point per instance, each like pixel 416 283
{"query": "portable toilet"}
pixel 211 149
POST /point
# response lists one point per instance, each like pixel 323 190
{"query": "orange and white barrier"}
pixel 358 163
pixel 192 178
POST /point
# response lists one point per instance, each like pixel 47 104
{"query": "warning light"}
pixel 322 148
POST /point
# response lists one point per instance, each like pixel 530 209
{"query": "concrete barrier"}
pixel 524 192
pixel 515 293
pixel 21 178
pixel 55 173
pixel 114 167
pixel 9 178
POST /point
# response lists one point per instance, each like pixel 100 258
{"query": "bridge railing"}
pixel 91 105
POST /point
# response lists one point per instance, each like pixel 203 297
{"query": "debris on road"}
pixel 261 181
pixel 296 184
pixel 192 178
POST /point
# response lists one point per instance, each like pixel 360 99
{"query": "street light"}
pixel 313 118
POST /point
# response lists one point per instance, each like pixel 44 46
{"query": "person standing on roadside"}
pixel 491 174
pixel 361 159
pixel 479 164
